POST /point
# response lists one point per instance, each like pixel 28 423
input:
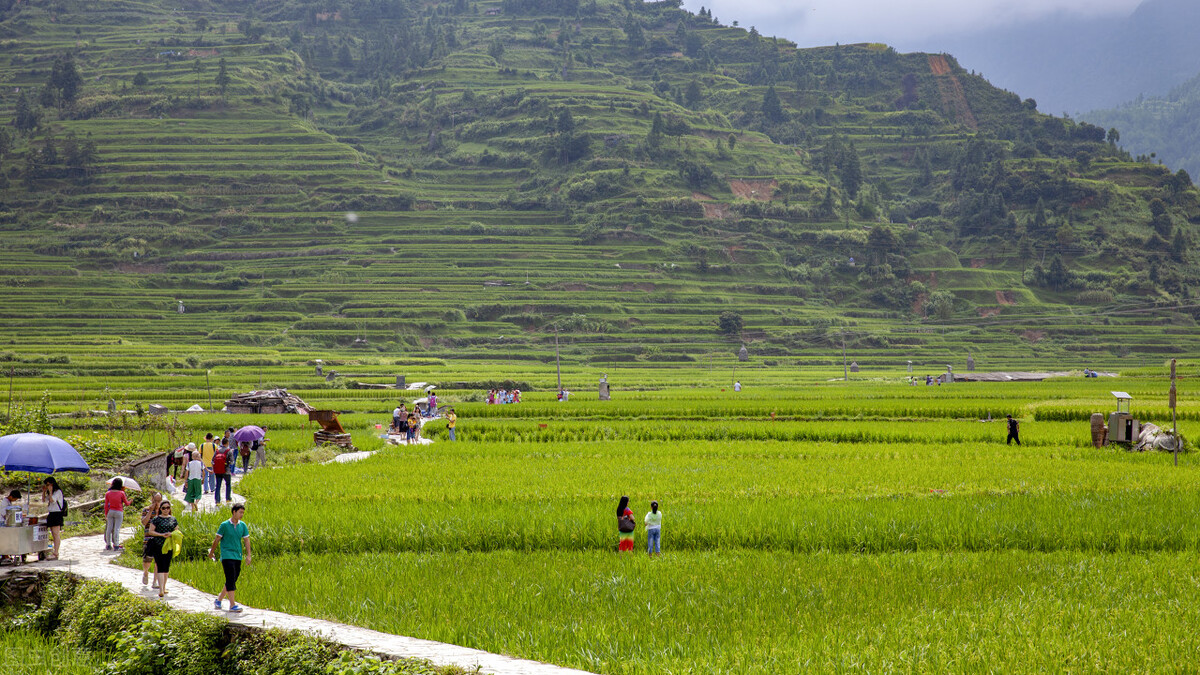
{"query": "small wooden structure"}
pixel 854 367
pixel 1122 426
pixel 743 354
pixel 331 430
pixel 970 363
pixel 267 402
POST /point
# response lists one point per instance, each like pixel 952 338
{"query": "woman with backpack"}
pixel 625 525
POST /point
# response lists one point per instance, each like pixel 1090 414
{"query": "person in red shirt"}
pixel 115 501
pixel 222 468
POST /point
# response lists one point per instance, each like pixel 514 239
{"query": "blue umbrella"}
pixel 39 453
pixel 248 434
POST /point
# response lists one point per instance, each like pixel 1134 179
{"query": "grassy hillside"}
pixel 463 178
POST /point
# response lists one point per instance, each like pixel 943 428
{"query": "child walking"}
pixel 653 522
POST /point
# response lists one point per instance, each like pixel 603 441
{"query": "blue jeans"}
pixel 217 490
pixel 451 430
pixel 210 480
pixel 653 540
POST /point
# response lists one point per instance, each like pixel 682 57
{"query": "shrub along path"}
pixel 85 556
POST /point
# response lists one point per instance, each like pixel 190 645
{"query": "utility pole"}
pixel 12 371
pixel 845 371
pixel 557 364
pixel 1175 422
pixel 208 382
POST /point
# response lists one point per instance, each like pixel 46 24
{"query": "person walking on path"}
pixel 115 501
pixel 625 525
pixel 161 528
pixel 451 420
pixel 1014 431
pixel 53 496
pixel 195 482
pixel 244 452
pixel 148 514
pixel 207 449
pixel 653 522
pixel 260 450
pixel 222 465
pixel 396 412
pixel 231 536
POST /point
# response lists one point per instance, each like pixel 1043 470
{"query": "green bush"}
pixel 99 612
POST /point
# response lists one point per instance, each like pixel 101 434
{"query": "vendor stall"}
pixel 24 533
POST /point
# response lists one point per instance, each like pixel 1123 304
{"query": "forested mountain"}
pixel 1160 126
pixel 470 176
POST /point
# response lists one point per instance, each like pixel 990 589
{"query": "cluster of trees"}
pixel 72 158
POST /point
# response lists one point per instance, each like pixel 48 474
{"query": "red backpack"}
pixel 218 462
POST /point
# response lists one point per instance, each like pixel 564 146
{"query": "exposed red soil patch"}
pixel 918 305
pixel 1006 298
pixel 954 99
pixel 977 263
pixel 758 190
pixel 1034 335
pixel 648 288
pixel 986 312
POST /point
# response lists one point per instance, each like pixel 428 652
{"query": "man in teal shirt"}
pixel 230 537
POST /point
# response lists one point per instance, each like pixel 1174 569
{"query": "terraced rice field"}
pixel 866 526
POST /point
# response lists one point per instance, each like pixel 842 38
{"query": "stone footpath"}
pixel 85 556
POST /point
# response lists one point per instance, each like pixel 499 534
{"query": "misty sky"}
pixel 900 23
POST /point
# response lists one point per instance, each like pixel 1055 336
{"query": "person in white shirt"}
pixel 737 386
pixel 195 481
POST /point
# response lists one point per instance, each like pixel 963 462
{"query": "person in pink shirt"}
pixel 115 501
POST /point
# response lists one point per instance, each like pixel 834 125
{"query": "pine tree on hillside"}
pixel 65 78
pixel 772 109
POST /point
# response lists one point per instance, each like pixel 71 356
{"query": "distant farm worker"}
pixel 654 530
pixel 148 514
pixel 195 481
pixel 231 535
pixel 162 525
pixel 737 386
pixel 115 502
pixel 207 449
pixel 625 525
pixel 1014 431
pixel 260 450
pixel 451 420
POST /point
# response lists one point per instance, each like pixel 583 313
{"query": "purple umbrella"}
pixel 248 434
pixel 39 453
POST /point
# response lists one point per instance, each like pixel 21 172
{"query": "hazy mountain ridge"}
pixel 1072 63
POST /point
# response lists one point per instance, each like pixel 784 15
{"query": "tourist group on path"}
pixel 162 541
